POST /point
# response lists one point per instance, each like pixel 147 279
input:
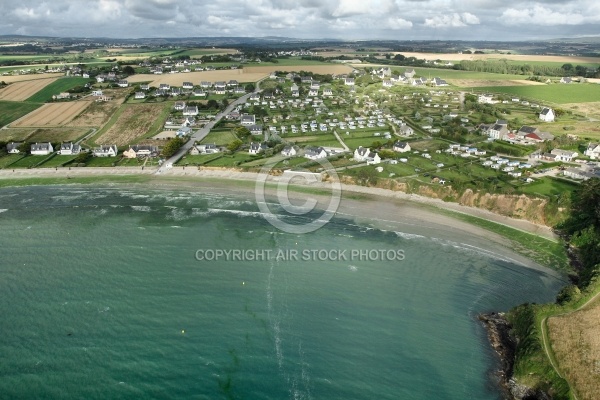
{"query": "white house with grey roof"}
pixel 105 151
pixel 13 147
pixel 41 149
pixel 547 114
pixel 69 148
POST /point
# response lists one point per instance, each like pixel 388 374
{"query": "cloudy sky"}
pixel 340 19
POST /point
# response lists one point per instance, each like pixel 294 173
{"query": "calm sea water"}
pixel 102 297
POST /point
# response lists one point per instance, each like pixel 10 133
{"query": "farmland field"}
pixel 29 77
pixel 559 94
pixel 98 113
pixel 133 122
pixel 11 111
pixel 56 87
pixel 53 114
pixel 317 69
pixel 241 75
pixel 20 91
pixel 523 58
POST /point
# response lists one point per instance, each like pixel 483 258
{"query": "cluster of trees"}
pixel 583 229
pixel 504 67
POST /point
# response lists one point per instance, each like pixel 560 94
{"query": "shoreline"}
pixel 380 208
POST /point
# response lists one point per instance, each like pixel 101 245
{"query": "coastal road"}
pixel 202 132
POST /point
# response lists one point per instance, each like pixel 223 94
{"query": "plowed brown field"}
pixel 53 114
pixel 20 91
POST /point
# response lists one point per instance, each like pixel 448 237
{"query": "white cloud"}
pixel 344 19
pixel 452 21
pixel 545 16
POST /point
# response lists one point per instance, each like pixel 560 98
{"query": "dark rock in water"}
pixel 69 334
pixel 498 329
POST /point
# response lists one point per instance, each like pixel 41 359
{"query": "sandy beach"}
pixel 379 208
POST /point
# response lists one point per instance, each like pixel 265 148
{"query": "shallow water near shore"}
pixel 119 293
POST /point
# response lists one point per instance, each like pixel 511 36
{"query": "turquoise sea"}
pixel 103 297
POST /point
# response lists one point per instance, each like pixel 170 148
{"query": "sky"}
pixel 504 20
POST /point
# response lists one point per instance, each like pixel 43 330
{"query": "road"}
pixel 202 132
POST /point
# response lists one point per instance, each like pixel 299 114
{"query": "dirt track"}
pixel 20 91
pixel 52 114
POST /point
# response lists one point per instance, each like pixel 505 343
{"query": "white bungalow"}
pixel 41 149
pixel 289 151
pixel 68 149
pixel 315 153
pixel 105 151
pixel 401 147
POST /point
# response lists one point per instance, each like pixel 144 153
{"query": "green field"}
pixel 28 162
pixel 57 161
pixel 56 87
pixel 11 111
pixel 549 186
pixel 7 160
pixel 559 94
pixel 219 137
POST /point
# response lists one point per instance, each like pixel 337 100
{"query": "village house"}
pixel 188 85
pixel 593 151
pixel 14 147
pixel 314 153
pixel 547 115
pixel 564 155
pixel 565 79
pixel 140 151
pixel 497 130
pixel 439 82
pixel 41 149
pixel 256 148
pixel 123 83
pixel 68 149
pixel 364 154
pixel 248 119
pixel 256 129
pixel 409 73
pixel 401 147
pixel 585 172
pixel 349 81
pixel 139 95
pixel 179 105
pixel 205 148
pixel 289 151
pixel 105 151
pixel 190 111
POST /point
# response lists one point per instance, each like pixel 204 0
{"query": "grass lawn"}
pixel 28 162
pixel 230 160
pixel 219 137
pixel 548 186
pixel 56 87
pixel 12 110
pixel 6 161
pixel 103 161
pixel 58 161
pixel 199 159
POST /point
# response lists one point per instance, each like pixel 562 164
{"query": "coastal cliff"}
pixel 501 337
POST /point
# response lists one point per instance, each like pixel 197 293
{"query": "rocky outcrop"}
pixel 499 334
